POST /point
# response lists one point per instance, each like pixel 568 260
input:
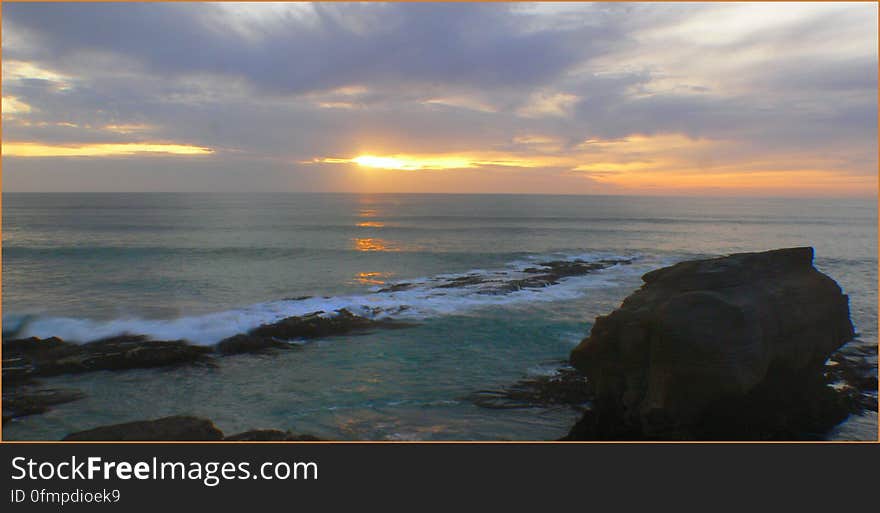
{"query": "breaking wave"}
pixel 518 282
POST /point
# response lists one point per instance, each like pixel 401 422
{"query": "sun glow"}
pixel 669 163
pixel 431 162
pixel 412 163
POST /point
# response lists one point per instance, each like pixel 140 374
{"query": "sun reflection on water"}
pixel 373 244
pixel 372 278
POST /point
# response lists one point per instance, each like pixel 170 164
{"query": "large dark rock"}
pixel 52 356
pixel 740 339
pixel 167 428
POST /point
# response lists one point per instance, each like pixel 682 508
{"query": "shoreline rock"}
pixel 179 428
pixel 34 357
pixel 23 401
pixel 730 347
pixel 315 325
pixel 26 359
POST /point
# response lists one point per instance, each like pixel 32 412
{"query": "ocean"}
pixel 206 266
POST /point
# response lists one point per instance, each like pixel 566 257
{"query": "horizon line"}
pixel 873 196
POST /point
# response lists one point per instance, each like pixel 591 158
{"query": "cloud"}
pixel 38 150
pixel 330 46
pixel 718 89
pixel 548 104
pixel 12 106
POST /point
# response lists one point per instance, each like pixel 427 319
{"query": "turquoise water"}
pixel 205 266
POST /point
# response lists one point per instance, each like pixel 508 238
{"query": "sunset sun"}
pixel 412 163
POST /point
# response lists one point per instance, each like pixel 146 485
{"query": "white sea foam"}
pixel 421 299
pixel 548 370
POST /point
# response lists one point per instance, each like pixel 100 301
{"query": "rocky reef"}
pixel 543 274
pixel 725 348
pixel 25 360
pixel 305 327
pixel 565 387
pixel 31 357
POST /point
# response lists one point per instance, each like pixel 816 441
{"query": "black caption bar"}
pixel 292 476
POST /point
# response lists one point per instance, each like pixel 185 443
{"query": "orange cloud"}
pixel 127 128
pixel 635 164
pixel 33 149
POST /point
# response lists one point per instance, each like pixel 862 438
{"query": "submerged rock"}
pixel 270 435
pixel 567 386
pixel 724 347
pixel 397 287
pixel 167 428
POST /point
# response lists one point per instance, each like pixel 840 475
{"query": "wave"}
pixel 519 282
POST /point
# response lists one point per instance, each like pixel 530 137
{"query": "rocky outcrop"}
pixel 550 273
pixel 316 325
pixel 246 343
pixel 23 401
pixel 52 356
pixel 277 335
pixel 27 359
pixel 740 340
pixel 180 428
pixel 31 357
pixel 543 274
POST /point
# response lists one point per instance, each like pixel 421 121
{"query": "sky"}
pixel 763 99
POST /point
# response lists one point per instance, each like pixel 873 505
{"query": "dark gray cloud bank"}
pixel 595 97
